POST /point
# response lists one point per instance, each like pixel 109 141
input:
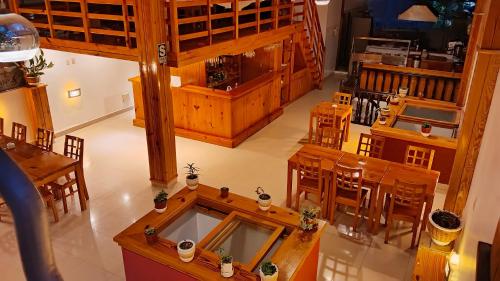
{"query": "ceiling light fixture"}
pixel 418 12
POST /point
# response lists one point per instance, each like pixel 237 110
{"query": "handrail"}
pixel 314 38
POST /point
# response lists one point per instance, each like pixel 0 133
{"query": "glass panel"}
pixel 193 224
pixel 241 239
pixel 430 113
pixel 436 131
pixel 270 253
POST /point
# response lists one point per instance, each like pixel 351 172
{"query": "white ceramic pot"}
pixel 192 183
pixel 186 255
pixel 226 270
pixel 273 277
pixel 425 134
pixel 265 204
pixel 382 122
pixel 403 92
pixel 162 210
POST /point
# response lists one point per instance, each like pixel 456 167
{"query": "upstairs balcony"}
pixel 197 29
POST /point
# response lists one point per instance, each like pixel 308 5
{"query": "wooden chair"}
pixel 325 118
pixel 73 148
pixel 406 204
pixel 342 98
pixel 49 199
pixel 347 184
pixel 1 126
pixel 309 178
pixel 18 132
pixel 419 157
pixel 45 139
pixel 329 137
pixel 370 145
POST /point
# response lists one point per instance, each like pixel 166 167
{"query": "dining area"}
pixel 376 191
pixel 57 176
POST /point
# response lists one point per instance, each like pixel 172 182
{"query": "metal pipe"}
pixel 32 227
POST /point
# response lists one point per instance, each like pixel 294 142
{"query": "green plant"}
pixel 426 125
pixel 161 196
pixel 192 171
pixel 149 230
pixel 309 218
pixel 268 268
pixel 36 65
pixel 223 257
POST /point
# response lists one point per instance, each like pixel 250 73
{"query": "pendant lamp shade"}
pixel 418 13
pixel 19 39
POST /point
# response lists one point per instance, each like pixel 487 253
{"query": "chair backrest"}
pixel 326 116
pixel 329 137
pixel 309 169
pixel 370 145
pixel 45 139
pixel 18 132
pixel 348 179
pixel 409 195
pixel 342 98
pixel 73 147
pixel 1 126
pixel 419 157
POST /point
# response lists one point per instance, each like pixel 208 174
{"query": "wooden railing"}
pixel 313 38
pixel 98 27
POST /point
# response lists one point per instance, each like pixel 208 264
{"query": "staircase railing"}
pixel 314 40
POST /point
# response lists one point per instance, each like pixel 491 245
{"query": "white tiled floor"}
pixel 116 170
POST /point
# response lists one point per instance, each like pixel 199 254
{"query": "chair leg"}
pixel 52 205
pixel 332 212
pixel 356 220
pixel 387 229
pixel 305 195
pixel 65 203
pixel 297 199
pixel 415 230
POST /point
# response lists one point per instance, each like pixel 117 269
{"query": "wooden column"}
pixel 484 72
pixel 38 107
pixel 156 94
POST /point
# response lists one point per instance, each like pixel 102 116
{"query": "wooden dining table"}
pixel 43 167
pixel 343 113
pixel 378 175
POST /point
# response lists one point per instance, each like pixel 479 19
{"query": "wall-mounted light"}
pixel 74 93
pixel 175 81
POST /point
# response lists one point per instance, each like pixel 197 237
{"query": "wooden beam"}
pixel 38 107
pixel 156 94
pixel 484 72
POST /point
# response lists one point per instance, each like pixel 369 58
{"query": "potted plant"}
pixel 309 219
pixel 150 234
pixel 186 249
pixel 161 201
pixel 268 271
pixel 264 199
pixel 444 227
pixel 226 264
pixel 425 130
pixel 382 120
pixel 192 176
pixel 35 67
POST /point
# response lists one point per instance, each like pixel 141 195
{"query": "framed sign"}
pixel 162 53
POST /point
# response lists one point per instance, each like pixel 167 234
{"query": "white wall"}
pixel 102 81
pixel 13 109
pixel 482 211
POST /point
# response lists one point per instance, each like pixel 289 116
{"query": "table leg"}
pixel 289 180
pixel 347 127
pixel 80 183
pixel 326 198
pixel 380 207
pixel 428 209
pixel 373 202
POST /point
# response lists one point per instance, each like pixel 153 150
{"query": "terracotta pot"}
pixel 192 183
pixel 151 239
pixel 161 206
pixel 224 192
pixel 33 81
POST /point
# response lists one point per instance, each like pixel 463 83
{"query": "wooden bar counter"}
pixel 295 255
pixel 397 138
pixel 220 117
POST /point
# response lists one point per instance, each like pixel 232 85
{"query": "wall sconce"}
pixel 74 93
pixel 175 81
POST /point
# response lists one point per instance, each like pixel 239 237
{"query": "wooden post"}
pixel 485 48
pixel 156 94
pixel 38 107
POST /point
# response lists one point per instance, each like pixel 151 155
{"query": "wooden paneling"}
pixel 193 74
pixel 430 260
pixel 156 94
pixel 300 84
pixel 483 71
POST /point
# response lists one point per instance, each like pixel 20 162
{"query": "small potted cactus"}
pixel 264 199
pixel 186 249
pixel 426 129
pixel 226 264
pixel 161 201
pixel 192 176
pixel 150 234
pixel 268 271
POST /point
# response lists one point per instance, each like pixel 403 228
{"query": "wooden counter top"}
pixel 412 70
pixel 289 257
pixel 387 130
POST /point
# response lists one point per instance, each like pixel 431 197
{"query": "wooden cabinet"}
pixel 431 260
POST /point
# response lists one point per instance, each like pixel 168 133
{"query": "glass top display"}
pixel 436 130
pixel 193 224
pixel 430 113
